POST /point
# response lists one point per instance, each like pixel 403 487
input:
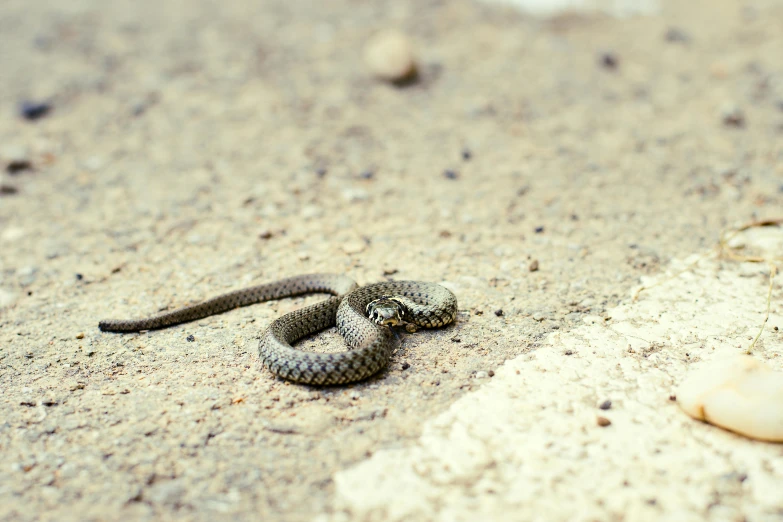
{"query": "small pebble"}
pixel 34 110
pixel 16 157
pixel 481 374
pixel 15 167
pixel 389 55
pixel 190 338
pixel 389 271
pixel 405 366
pixel 491 373
pixel 606 404
pixel 450 174
pixel 732 115
pixel 677 35
pixel 79 277
pixel 499 312
pixel 265 234
pixel 8 190
pixel 355 395
pixel 603 422
pixel 608 60
pixel 353 247
pixel 738 393
pixel 80 335
pixel 367 174
pixel 533 267
pixel 538 230
pixel 466 154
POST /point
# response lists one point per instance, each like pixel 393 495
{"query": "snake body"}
pixel 423 304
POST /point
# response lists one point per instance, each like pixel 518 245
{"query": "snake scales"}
pixel 410 303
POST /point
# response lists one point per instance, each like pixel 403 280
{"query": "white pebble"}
pixel 353 247
pixel 738 393
pixel 481 374
pixel 389 55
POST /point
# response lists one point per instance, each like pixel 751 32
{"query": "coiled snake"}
pixel 363 316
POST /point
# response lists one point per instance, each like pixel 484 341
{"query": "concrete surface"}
pixel 197 147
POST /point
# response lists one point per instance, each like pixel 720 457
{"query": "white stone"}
pixel 389 55
pixel 738 393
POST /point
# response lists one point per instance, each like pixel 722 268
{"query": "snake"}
pixel 364 316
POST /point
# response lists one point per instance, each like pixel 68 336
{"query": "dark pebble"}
pixel 405 366
pixel 34 110
pixel 8 190
pixel 491 373
pixel 677 35
pixel 456 340
pixel 450 174
pixel 18 166
pixel 367 174
pixel 672 397
pixel 606 404
pixel 466 154
pixel 266 234
pixel 190 338
pixel 609 61
pixel 538 230
pixel 479 312
pixel 499 312
pixel 79 277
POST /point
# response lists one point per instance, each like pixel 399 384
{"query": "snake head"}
pixel 386 311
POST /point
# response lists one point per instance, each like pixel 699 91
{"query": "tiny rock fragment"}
pixel 389 55
pixel 353 247
pixel 738 393
pixel 31 110
pixel 677 35
pixel 190 338
pixel 389 271
pixel 481 375
pixel 533 267
pixel 732 115
pixel 603 422
pixel 80 335
pixel 265 234
pixel 405 366
pixel 608 60
pixel 16 158
pixel 450 174
pixel 605 405
pixel 499 313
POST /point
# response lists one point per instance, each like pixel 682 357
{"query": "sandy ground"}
pixel 198 147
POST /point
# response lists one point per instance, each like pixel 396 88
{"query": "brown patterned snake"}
pixel 409 303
